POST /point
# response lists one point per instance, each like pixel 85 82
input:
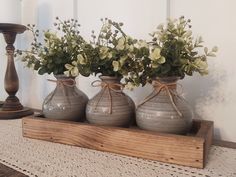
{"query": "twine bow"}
pixel 169 90
pixel 62 83
pixel 110 87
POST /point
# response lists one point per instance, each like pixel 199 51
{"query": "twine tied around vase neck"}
pixel 168 87
pixel 116 87
pixel 62 83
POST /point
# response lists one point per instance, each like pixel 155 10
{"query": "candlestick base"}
pixel 12 103
pixel 14 114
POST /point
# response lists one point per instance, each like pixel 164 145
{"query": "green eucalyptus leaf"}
pixel 211 54
pixel 165 68
pixel 215 49
pixel 37 65
pixel 42 70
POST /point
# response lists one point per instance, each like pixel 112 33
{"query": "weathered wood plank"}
pixel 177 149
pixel 206 131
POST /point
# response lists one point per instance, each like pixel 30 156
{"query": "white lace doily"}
pixel 45 159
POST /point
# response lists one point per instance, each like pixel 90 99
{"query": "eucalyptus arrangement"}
pixel 171 54
pixel 58 51
pixel 114 50
pixel 173 51
pixel 111 53
pixel 113 57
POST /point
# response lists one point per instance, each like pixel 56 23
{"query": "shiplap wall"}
pixel 212 97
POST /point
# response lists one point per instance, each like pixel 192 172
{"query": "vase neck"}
pixel 64 81
pixel 167 82
pixel 111 82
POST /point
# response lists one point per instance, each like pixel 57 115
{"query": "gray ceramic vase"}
pixel 66 102
pixel 110 106
pixel 159 113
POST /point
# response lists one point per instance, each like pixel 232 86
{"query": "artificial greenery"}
pixel 57 51
pixel 175 52
pixel 114 51
pixel 172 51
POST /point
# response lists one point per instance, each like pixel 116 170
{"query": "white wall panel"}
pixel 213 96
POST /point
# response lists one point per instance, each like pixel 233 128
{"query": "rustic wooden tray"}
pixel 188 150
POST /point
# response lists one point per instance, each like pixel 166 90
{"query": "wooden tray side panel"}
pixel 182 150
pixel 206 131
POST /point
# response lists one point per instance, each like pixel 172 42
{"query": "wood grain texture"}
pixel 9 172
pixel 177 149
pixel 206 131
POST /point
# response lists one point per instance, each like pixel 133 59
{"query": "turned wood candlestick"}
pixel 12 105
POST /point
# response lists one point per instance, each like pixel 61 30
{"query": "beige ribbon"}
pixel 169 90
pixel 62 83
pixel 110 87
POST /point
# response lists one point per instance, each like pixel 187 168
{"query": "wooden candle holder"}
pixel 12 108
